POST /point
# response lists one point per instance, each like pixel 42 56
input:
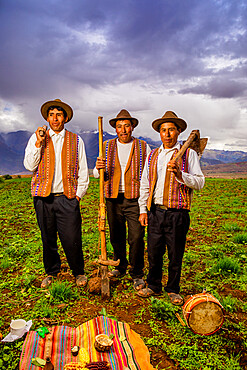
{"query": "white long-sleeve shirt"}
pixel 33 156
pixel 123 151
pixel 194 178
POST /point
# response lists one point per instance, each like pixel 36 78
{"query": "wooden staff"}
pixel 105 283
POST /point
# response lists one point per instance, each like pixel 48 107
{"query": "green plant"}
pixel 216 251
pixel 62 291
pixel 226 266
pixel 10 354
pixel 28 280
pixel 5 263
pixel 240 238
pixel 109 248
pixel 104 313
pixel 231 227
pixel 190 257
pixel 230 303
pixel 43 309
pixel 139 316
pixel 163 309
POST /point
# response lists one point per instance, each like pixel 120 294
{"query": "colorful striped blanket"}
pixel 127 352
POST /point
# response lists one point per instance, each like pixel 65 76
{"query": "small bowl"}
pixel 102 343
pixel 17 327
pixel 75 350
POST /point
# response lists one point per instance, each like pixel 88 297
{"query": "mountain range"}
pixel 12 148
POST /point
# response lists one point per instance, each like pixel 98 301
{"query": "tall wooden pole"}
pixel 105 283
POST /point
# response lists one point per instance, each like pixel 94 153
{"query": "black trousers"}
pixel 60 215
pixel 166 228
pixel 120 211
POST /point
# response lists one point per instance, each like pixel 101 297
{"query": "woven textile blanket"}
pixel 127 352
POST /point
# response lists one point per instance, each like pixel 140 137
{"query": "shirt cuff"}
pixel 81 191
pixel 181 182
pixel 95 173
pixel 143 209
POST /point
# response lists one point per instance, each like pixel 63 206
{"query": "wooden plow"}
pixel 103 261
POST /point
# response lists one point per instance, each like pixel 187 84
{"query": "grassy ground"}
pixel 215 259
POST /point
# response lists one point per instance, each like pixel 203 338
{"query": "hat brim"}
pixel 178 121
pixel 44 108
pixel 134 121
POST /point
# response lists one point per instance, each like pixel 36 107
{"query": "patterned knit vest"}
pixel 176 195
pixel 133 171
pixel 43 175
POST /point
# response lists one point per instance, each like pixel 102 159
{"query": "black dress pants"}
pixel 166 228
pixel 119 211
pixel 60 215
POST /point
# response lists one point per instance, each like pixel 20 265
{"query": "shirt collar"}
pixel 162 149
pixel 61 133
pixel 130 142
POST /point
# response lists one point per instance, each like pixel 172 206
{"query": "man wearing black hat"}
pixel 165 198
pixel 60 179
pixel 123 163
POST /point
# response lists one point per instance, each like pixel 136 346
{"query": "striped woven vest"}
pixel 43 175
pixel 176 195
pixel 133 171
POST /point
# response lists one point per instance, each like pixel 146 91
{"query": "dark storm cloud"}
pixel 95 43
pixel 219 88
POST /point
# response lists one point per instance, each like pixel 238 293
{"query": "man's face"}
pixel 169 134
pixel 56 120
pixel 124 131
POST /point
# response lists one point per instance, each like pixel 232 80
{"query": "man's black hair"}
pixel 178 127
pixel 58 108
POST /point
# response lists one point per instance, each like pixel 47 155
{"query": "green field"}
pixel 215 259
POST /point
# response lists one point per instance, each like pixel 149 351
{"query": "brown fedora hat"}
pixel 57 103
pixel 123 115
pixel 169 116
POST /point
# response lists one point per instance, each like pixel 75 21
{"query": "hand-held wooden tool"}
pixel 193 142
pixel 104 263
pixel 105 283
pixel 43 131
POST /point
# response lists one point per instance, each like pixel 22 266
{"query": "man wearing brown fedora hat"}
pixel 123 163
pixel 60 179
pixel 165 199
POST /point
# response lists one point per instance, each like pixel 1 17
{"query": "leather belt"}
pixel 161 206
pixel 57 194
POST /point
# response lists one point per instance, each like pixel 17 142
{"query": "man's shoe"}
pixel 115 274
pixel 81 280
pixel 176 299
pixel 47 281
pixel 138 284
pixel 147 292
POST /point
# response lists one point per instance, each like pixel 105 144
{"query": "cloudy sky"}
pixel 147 56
